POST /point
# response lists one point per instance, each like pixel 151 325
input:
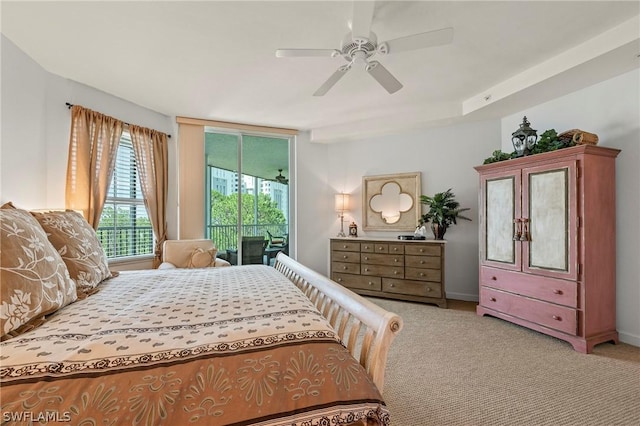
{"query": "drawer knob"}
pixel 366 247
pixel 366 258
pixel 344 246
pixel 494 279
pixel 396 260
pixel 428 289
pixel 557 318
pixel 380 248
pixel 366 269
pixel 339 279
pixel 395 249
pixel 370 283
pixel 493 299
pixel 392 285
pixel 344 256
pixel 422 274
pixel 395 272
pixel 557 291
pixel 422 262
pixel 344 268
pixel 421 250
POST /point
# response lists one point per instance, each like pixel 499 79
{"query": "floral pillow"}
pixel 78 245
pixel 35 280
pixel 201 258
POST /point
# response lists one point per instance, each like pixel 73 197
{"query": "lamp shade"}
pixel 342 202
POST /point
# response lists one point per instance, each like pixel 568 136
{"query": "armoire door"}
pixel 549 205
pixel 501 204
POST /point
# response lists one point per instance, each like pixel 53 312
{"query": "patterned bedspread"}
pixel 216 346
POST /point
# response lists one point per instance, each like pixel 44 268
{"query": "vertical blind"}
pixel 125 228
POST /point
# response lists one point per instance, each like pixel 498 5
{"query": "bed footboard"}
pixel 365 328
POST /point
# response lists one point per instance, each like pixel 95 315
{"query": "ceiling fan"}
pixel 280 178
pixel 361 44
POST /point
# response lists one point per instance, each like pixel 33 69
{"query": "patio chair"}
pixel 252 251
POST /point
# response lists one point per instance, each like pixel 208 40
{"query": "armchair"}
pixel 190 254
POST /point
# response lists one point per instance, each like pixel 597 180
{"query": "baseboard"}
pixel 463 296
pixel 628 338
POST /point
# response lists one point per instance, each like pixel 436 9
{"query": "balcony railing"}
pixel 226 236
pixel 126 240
pixel 138 240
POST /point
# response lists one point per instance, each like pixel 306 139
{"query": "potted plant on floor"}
pixel 443 211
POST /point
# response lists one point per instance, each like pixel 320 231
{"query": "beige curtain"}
pixel 93 145
pixel 151 151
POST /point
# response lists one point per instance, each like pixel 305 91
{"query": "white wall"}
pixel 611 110
pixel 35 128
pixel 445 157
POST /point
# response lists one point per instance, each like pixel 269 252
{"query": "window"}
pixel 125 229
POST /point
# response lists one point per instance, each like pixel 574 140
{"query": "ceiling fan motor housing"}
pixel 350 46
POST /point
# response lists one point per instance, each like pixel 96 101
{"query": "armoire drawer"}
pixel 547 314
pixel 544 288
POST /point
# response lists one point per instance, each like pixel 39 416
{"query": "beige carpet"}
pixel 451 367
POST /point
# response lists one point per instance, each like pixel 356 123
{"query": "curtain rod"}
pixel 70 105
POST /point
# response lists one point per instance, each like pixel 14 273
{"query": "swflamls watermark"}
pixel 32 416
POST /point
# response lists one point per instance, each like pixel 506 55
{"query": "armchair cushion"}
pixel 202 258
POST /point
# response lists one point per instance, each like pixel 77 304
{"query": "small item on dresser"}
pixel 412 237
pixel 353 230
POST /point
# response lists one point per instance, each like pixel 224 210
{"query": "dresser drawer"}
pixel 358 281
pixel 345 256
pixel 547 314
pixel 396 249
pixel 373 247
pixel 423 262
pixel 413 288
pixel 422 274
pixel 345 246
pixel 382 259
pixel 422 249
pixel 382 270
pixel 548 289
pixel 348 268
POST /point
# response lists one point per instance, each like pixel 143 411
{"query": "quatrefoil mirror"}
pixel 391 202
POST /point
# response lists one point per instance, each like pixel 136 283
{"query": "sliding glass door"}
pixel 246 195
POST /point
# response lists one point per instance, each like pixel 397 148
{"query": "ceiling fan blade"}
pixel 362 17
pixel 417 41
pixel 291 53
pixel 340 72
pixel 383 76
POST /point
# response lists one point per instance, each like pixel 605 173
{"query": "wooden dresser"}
pixel 547 244
pixel 395 269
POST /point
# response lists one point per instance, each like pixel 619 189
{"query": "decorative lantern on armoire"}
pixel 524 139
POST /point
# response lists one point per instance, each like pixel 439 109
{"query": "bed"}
pixel 239 345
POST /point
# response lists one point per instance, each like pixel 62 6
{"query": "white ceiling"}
pixel 215 60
